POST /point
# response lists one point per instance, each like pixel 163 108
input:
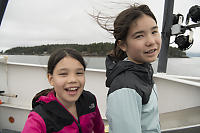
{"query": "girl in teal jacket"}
pixel 132 98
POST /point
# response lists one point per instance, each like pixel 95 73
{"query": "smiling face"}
pixel 68 80
pixel 143 41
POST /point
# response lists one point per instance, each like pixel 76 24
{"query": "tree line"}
pixel 94 49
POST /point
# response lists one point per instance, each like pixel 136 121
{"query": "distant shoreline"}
pixel 95 49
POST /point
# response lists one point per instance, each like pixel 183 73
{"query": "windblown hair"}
pixel 122 24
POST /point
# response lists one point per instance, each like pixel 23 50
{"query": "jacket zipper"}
pixel 78 124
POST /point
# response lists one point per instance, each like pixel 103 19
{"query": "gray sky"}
pixel 41 22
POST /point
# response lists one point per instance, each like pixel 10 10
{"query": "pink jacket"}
pixel 50 116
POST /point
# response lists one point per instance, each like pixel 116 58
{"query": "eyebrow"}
pixel 139 32
pixel 154 27
pixel 65 69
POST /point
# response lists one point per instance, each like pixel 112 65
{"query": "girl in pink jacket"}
pixel 66 108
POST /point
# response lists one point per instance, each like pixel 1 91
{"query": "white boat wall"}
pixel 179 96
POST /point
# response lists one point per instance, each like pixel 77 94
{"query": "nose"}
pixel 150 40
pixel 72 78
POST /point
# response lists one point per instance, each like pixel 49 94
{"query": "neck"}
pixel 72 110
pixel 70 106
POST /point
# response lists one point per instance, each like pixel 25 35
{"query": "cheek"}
pixel 59 82
pixel 135 48
pixel 159 40
pixel 83 81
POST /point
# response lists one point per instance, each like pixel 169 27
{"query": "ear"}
pixel 121 44
pixel 50 79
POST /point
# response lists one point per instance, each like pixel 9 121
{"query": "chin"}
pixel 151 60
pixel 72 100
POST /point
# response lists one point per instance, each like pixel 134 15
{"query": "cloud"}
pixel 40 22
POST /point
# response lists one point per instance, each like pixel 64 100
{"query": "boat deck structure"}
pixel 179 96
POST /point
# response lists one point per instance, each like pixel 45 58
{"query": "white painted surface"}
pixel 176 94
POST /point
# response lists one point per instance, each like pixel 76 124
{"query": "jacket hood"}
pixel 114 68
pixel 45 96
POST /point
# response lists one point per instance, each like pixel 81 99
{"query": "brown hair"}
pixel 122 25
pixel 59 54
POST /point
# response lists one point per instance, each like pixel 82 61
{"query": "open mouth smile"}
pixel 150 51
pixel 72 91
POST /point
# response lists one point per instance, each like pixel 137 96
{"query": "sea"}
pixel 175 66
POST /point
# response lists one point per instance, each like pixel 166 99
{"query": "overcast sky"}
pixel 41 22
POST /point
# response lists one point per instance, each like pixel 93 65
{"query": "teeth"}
pixel 151 51
pixel 72 89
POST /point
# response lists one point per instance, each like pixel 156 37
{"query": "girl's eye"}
pixel 139 36
pixel 154 32
pixel 62 74
pixel 80 73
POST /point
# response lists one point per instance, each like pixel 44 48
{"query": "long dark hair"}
pixel 122 24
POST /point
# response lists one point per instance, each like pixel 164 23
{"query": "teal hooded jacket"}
pixel 132 102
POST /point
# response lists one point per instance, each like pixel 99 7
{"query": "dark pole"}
pixel 192 26
pixel 166 31
pixel 3 4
